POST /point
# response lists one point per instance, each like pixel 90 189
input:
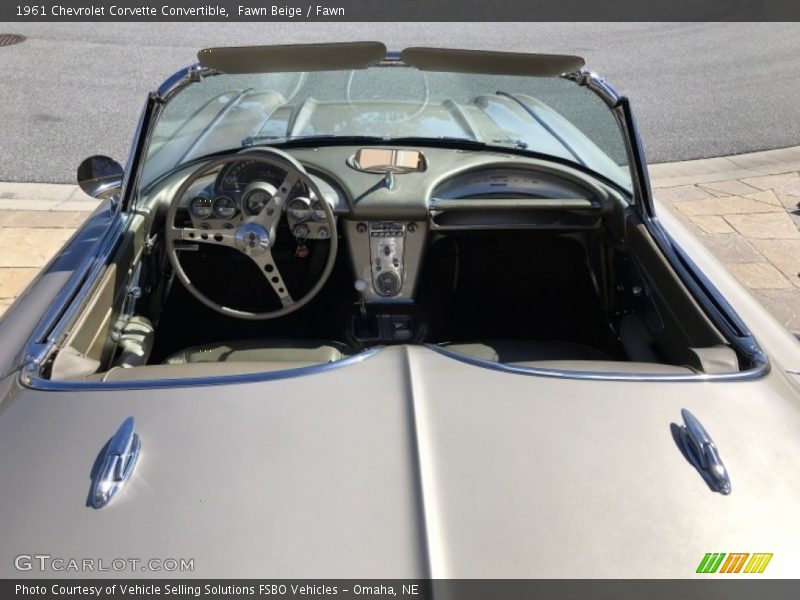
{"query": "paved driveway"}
pixel 699 89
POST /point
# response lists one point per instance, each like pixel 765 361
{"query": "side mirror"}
pixel 100 177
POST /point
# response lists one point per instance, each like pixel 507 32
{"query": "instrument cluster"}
pixel 244 188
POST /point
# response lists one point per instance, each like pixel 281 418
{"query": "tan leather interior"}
pixel 518 351
pixel 89 343
pixel 260 351
pixel 190 370
pixel 607 366
pixel 677 330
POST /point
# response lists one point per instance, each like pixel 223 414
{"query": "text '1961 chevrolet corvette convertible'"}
pixel 350 312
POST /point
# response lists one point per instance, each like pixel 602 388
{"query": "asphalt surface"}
pixel 698 89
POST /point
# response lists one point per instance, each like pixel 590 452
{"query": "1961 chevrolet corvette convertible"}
pixel 350 312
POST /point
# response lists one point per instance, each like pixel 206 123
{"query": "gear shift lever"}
pixel 360 286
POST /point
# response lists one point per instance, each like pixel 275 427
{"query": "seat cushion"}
pixel 191 370
pixel 605 366
pixel 263 351
pixel 520 351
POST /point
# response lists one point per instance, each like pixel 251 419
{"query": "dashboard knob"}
pixel 388 284
pixel 361 228
pixel 360 285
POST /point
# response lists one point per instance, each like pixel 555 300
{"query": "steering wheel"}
pixel 255 234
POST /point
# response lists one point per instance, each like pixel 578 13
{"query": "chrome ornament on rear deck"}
pixel 703 454
pixel 117 465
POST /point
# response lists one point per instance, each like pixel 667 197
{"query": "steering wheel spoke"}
pixel 270 214
pixel 217 237
pixel 270 270
pixel 254 236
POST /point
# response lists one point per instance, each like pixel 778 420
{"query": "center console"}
pixel 388 256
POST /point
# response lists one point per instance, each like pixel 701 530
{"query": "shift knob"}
pixel 360 285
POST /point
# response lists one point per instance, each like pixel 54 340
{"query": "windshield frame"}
pixel 638 195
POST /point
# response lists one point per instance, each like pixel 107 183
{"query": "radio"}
pixel 386 248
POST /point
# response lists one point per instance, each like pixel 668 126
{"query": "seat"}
pixel 526 351
pixel 294 352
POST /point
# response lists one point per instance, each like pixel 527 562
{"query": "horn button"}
pixel 252 239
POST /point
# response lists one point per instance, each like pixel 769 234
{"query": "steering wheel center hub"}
pixel 252 239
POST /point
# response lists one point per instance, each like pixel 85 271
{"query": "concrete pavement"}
pixel 745 209
pixel 36 219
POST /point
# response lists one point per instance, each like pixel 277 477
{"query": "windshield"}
pixel 547 115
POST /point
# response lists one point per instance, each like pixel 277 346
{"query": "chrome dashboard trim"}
pixel 214 380
pixel 180 79
pixel 755 373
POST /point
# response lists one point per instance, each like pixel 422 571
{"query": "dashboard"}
pixel 242 189
pixel 386 219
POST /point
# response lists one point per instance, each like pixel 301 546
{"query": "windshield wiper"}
pixel 544 124
pixel 254 140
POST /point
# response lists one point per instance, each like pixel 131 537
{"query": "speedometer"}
pixel 237 176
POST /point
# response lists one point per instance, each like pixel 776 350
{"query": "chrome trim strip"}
pixel 714 305
pixel 151 384
pixel 66 304
pixel 597 84
pixel 711 300
pixel 754 373
pixel 182 78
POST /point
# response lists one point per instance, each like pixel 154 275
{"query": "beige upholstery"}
pixel 518 351
pixel 261 351
pixel 191 370
pixel 607 366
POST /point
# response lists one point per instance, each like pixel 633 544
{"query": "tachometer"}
pixel 200 207
pixel 224 207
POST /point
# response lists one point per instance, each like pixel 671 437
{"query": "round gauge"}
pixel 255 201
pixel 224 207
pixel 319 212
pixel 200 207
pixel 300 208
pixel 387 284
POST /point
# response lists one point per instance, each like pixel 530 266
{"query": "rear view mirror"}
pixel 388 160
pixel 100 177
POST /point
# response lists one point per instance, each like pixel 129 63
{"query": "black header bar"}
pixel 398 589
pixel 399 10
